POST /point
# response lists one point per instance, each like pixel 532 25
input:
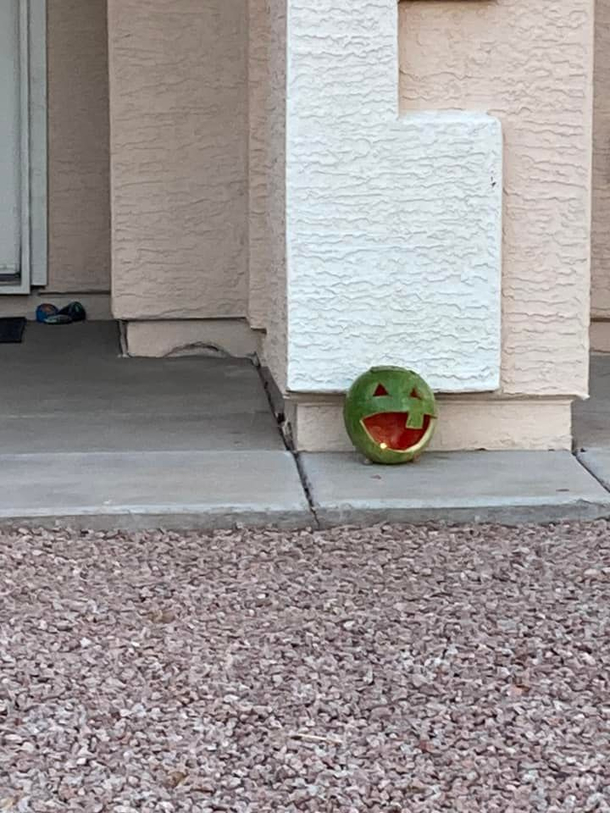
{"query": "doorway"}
pixel 23 230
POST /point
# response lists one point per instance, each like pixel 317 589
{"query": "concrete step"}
pixel 597 461
pixel 504 487
pixel 174 490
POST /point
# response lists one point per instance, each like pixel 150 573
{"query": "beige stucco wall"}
pixel 268 267
pixel 468 422
pixel 529 64
pixel 178 83
pixel 259 105
pixel 79 197
pixel 600 247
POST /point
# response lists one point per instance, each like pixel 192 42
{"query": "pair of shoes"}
pixel 50 315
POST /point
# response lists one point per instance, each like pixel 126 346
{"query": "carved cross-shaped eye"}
pixel 381 390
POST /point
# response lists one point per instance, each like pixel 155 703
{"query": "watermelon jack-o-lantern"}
pixel 390 414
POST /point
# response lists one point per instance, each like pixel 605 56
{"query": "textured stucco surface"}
pixel 275 287
pixel 186 337
pixel 599 336
pixel 529 64
pixel 393 226
pixel 600 241
pixel 179 166
pixel 78 150
pixel 259 100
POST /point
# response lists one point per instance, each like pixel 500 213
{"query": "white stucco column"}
pixel 392 224
pixel 384 218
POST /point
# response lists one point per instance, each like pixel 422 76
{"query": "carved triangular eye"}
pixel 415 394
pixel 381 390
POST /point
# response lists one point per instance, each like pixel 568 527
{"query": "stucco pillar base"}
pixel 599 336
pixel 155 339
pixel 465 423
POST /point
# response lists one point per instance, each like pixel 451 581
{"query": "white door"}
pixel 23 145
pixel 10 143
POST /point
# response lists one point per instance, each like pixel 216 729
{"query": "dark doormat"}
pixel 11 329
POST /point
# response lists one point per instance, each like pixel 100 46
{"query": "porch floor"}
pixel 91 439
pixel 592 422
pixel 592 417
pixel 67 389
pixel 85 432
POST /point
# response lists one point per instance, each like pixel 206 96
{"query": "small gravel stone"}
pixel 386 669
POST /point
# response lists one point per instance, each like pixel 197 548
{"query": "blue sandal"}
pixel 48 314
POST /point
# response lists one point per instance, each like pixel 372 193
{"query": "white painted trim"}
pixel 23 286
pixel 38 142
pixel 33 125
pixel 24 127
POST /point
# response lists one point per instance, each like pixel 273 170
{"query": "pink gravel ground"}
pixel 387 669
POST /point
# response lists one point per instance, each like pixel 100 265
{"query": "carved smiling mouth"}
pixel 390 431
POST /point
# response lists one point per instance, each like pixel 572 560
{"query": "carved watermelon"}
pixel 390 414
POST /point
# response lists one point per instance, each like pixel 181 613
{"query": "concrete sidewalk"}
pixel 592 422
pixel 90 439
pixel 144 490
pixel 503 487
pixel 215 489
